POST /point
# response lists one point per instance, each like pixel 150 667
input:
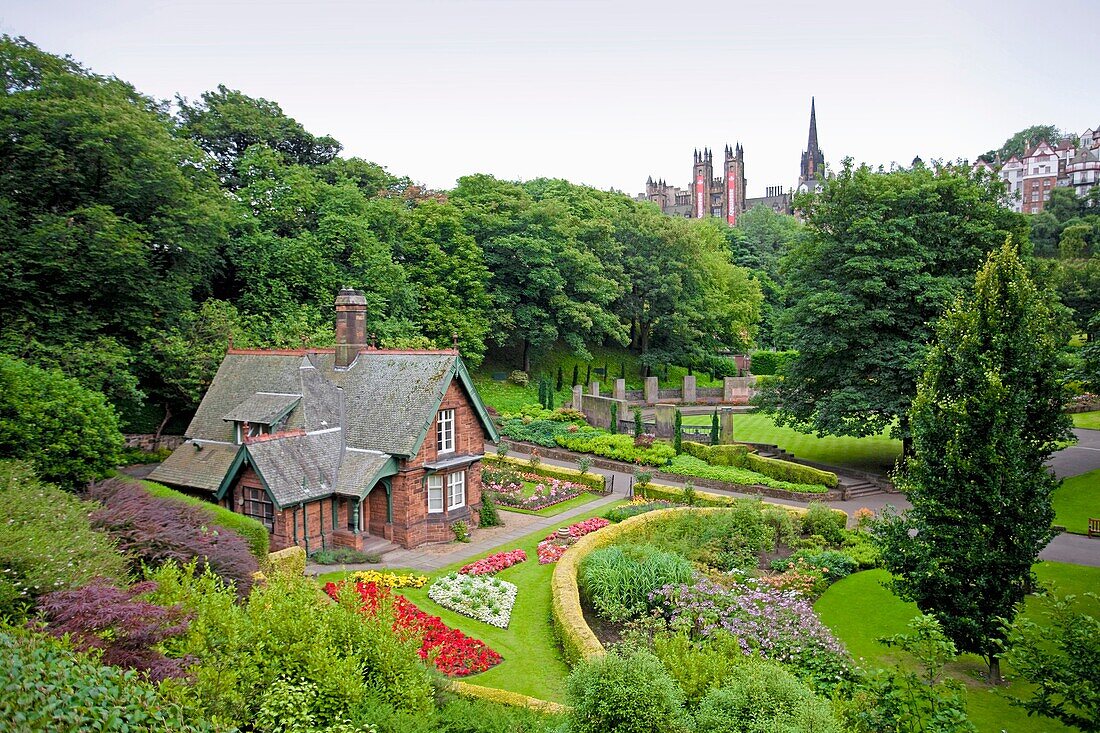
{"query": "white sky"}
pixel 607 93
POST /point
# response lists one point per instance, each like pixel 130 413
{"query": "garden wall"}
pixel 149 442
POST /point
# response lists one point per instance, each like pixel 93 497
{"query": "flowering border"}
pixel 494 563
pixel 451 591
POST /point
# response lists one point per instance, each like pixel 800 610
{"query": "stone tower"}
pixel 702 173
pixel 733 183
pixel 812 173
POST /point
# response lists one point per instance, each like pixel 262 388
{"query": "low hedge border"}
pixel 254 533
pixel 290 560
pixel 577 640
pixel 738 455
pixel 593 481
pixel 504 697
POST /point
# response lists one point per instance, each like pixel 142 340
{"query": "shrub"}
pixel 519 378
pixel 616 447
pixel 637 422
pixel 487 514
pixel 253 531
pixel 288 561
pixel 543 432
pixel 819 519
pixel 762 697
pixel 697 666
pixel 617 580
pixel 862 550
pixel 630 693
pixel 796 473
pixel 461 531
pixel 687 465
pixel 69 433
pixel 126 630
pixel 626 511
pixel 46 541
pixel 152 530
pixel 771 362
pixel 47 686
pixel 344 556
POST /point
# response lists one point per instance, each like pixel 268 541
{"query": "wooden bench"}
pixel 1094 527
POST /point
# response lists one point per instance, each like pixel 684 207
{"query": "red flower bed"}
pixel 452 652
pixel 553 547
pixel 580 529
pixel 494 563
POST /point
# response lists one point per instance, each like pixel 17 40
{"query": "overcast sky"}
pixel 607 93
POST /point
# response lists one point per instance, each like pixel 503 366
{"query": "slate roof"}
pixel 263 408
pixel 298 468
pixel 197 463
pixel 361 469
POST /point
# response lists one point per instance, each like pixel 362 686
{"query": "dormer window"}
pixel 445 431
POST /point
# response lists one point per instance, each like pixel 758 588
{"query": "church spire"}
pixel 811 145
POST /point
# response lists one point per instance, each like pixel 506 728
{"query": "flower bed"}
pixel 494 563
pixel 390 580
pixel 449 650
pixel 484 599
pixel 555 545
pixel 506 489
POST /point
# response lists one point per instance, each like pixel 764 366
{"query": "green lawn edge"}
pixel 552 511
pixel 1086 420
pixel 860 609
pixel 1077 499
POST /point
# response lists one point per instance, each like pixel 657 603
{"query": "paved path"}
pixel 1080 458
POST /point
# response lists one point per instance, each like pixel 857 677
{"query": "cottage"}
pixel 339 447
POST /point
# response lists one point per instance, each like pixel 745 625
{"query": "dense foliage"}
pixel 885 254
pixel 987 415
pixel 628 693
pixel 139 240
pixel 46 541
pixel 152 530
pixel 69 433
pixel 617 580
pixel 762 697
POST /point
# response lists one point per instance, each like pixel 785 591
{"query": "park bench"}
pixel 1094 527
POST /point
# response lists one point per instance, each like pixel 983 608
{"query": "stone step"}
pixel 862 488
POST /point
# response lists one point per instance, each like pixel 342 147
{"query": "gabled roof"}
pixel 362 469
pixel 299 467
pixel 198 464
pixel 263 408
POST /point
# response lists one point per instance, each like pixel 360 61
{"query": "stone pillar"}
pixel 594 388
pixel 689 389
pixel 651 391
pixel 620 389
pixel 729 384
pixel 666 421
pixel 578 403
pixel 725 426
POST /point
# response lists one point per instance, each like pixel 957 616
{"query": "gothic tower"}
pixel 813 160
pixel 702 173
pixel 733 183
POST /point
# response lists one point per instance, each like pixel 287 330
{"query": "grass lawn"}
pixel 532 660
pixel 859 610
pixel 1076 500
pixel 552 511
pixel 877 453
pixel 1087 420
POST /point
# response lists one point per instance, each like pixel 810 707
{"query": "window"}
pixel 258 506
pixel 445 431
pixel 435 494
pixel 456 490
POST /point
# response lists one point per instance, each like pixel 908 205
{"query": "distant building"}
pixel 723 196
pixel 1029 180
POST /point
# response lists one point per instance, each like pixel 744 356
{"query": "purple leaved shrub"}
pixel 126 630
pixel 152 530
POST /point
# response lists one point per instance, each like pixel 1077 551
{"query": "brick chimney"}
pixel 351 326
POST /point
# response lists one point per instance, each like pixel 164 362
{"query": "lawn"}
pixel 1087 420
pixel 1077 499
pixel 532 661
pixel 859 610
pixel 877 453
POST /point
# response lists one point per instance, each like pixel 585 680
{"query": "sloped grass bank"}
pixel 876 454
pixel 860 609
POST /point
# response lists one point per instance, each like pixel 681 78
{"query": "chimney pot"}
pixel 351 325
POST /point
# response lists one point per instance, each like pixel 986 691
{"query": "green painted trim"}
pixel 459 369
pixel 263 481
pixel 389 468
pixel 389 499
pixel 231 473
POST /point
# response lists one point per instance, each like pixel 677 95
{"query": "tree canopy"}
pixel 987 415
pixel 883 256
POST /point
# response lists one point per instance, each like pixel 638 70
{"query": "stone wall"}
pixel 149 442
pixel 598 410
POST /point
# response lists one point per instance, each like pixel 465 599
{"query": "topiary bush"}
pixel 617 580
pixel 624 693
pixel 152 530
pixel 46 541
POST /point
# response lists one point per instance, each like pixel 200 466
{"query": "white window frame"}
pixel 435 491
pixel 445 431
pixel 456 490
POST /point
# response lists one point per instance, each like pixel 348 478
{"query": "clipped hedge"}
pixel 290 561
pixel 771 362
pixel 738 456
pixel 685 465
pixel 254 533
pixel 594 481
pixel 504 697
pixel 616 447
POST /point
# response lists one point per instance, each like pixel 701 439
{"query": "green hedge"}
pixel 771 362
pixel 616 447
pixel 738 456
pixel 594 481
pixel 254 533
pixel 685 465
